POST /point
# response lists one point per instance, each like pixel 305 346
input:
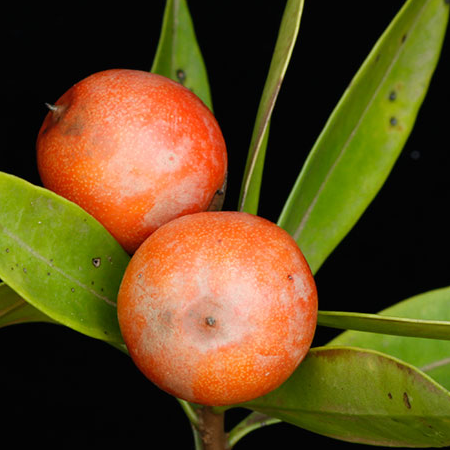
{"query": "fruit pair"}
pixel 215 307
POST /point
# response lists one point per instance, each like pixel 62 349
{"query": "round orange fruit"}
pixel 218 308
pixel 134 149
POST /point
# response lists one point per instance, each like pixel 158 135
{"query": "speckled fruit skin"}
pixel 218 308
pixel 134 149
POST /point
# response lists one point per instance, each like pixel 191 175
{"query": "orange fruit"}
pixel 218 308
pixel 134 149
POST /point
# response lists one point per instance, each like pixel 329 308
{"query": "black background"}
pixel 60 388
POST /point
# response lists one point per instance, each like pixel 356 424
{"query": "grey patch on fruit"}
pixel 210 321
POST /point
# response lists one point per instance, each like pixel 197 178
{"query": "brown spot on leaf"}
pixel 406 400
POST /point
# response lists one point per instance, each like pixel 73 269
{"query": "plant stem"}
pixel 252 422
pixel 189 411
pixel 211 429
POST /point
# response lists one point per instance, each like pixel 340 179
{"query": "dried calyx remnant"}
pixel 210 321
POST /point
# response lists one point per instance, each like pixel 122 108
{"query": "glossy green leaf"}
pixel 178 55
pixel 366 132
pixel 362 396
pixel 431 356
pixel 287 36
pixel 375 323
pixel 59 258
pixel 14 309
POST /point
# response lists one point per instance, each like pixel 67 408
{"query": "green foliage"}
pixel 59 259
pixel 366 132
pixel 432 356
pixel 251 184
pixel 362 396
pixel 178 55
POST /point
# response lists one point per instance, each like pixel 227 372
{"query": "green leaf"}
pixel 251 184
pixel 178 55
pixel 59 258
pixel 375 323
pixel 431 356
pixel 366 132
pixel 14 309
pixel 362 396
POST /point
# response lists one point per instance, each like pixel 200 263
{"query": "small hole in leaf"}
pixel 96 262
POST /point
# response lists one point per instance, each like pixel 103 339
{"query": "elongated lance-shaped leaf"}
pixel 178 55
pixel 375 323
pixel 362 396
pixel 287 36
pixel 366 132
pixel 14 309
pixel 60 259
pixel 431 356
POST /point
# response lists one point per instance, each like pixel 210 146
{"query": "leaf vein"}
pixel 49 263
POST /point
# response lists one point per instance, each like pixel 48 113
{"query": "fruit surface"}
pixel 134 149
pixel 218 308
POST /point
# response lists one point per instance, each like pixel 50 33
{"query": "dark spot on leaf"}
pixel 406 400
pixel 24 270
pixel 92 282
pixel 96 262
pixel 404 37
pixel 72 289
pixel 181 75
pixel 210 321
pixel 48 273
pixel 393 121
pixel 7 250
pixel 390 396
pixel 392 96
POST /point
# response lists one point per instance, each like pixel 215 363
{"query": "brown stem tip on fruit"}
pixel 56 110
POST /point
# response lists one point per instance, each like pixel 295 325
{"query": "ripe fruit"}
pixel 134 149
pixel 218 308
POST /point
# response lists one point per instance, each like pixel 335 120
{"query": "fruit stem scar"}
pixel 210 321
